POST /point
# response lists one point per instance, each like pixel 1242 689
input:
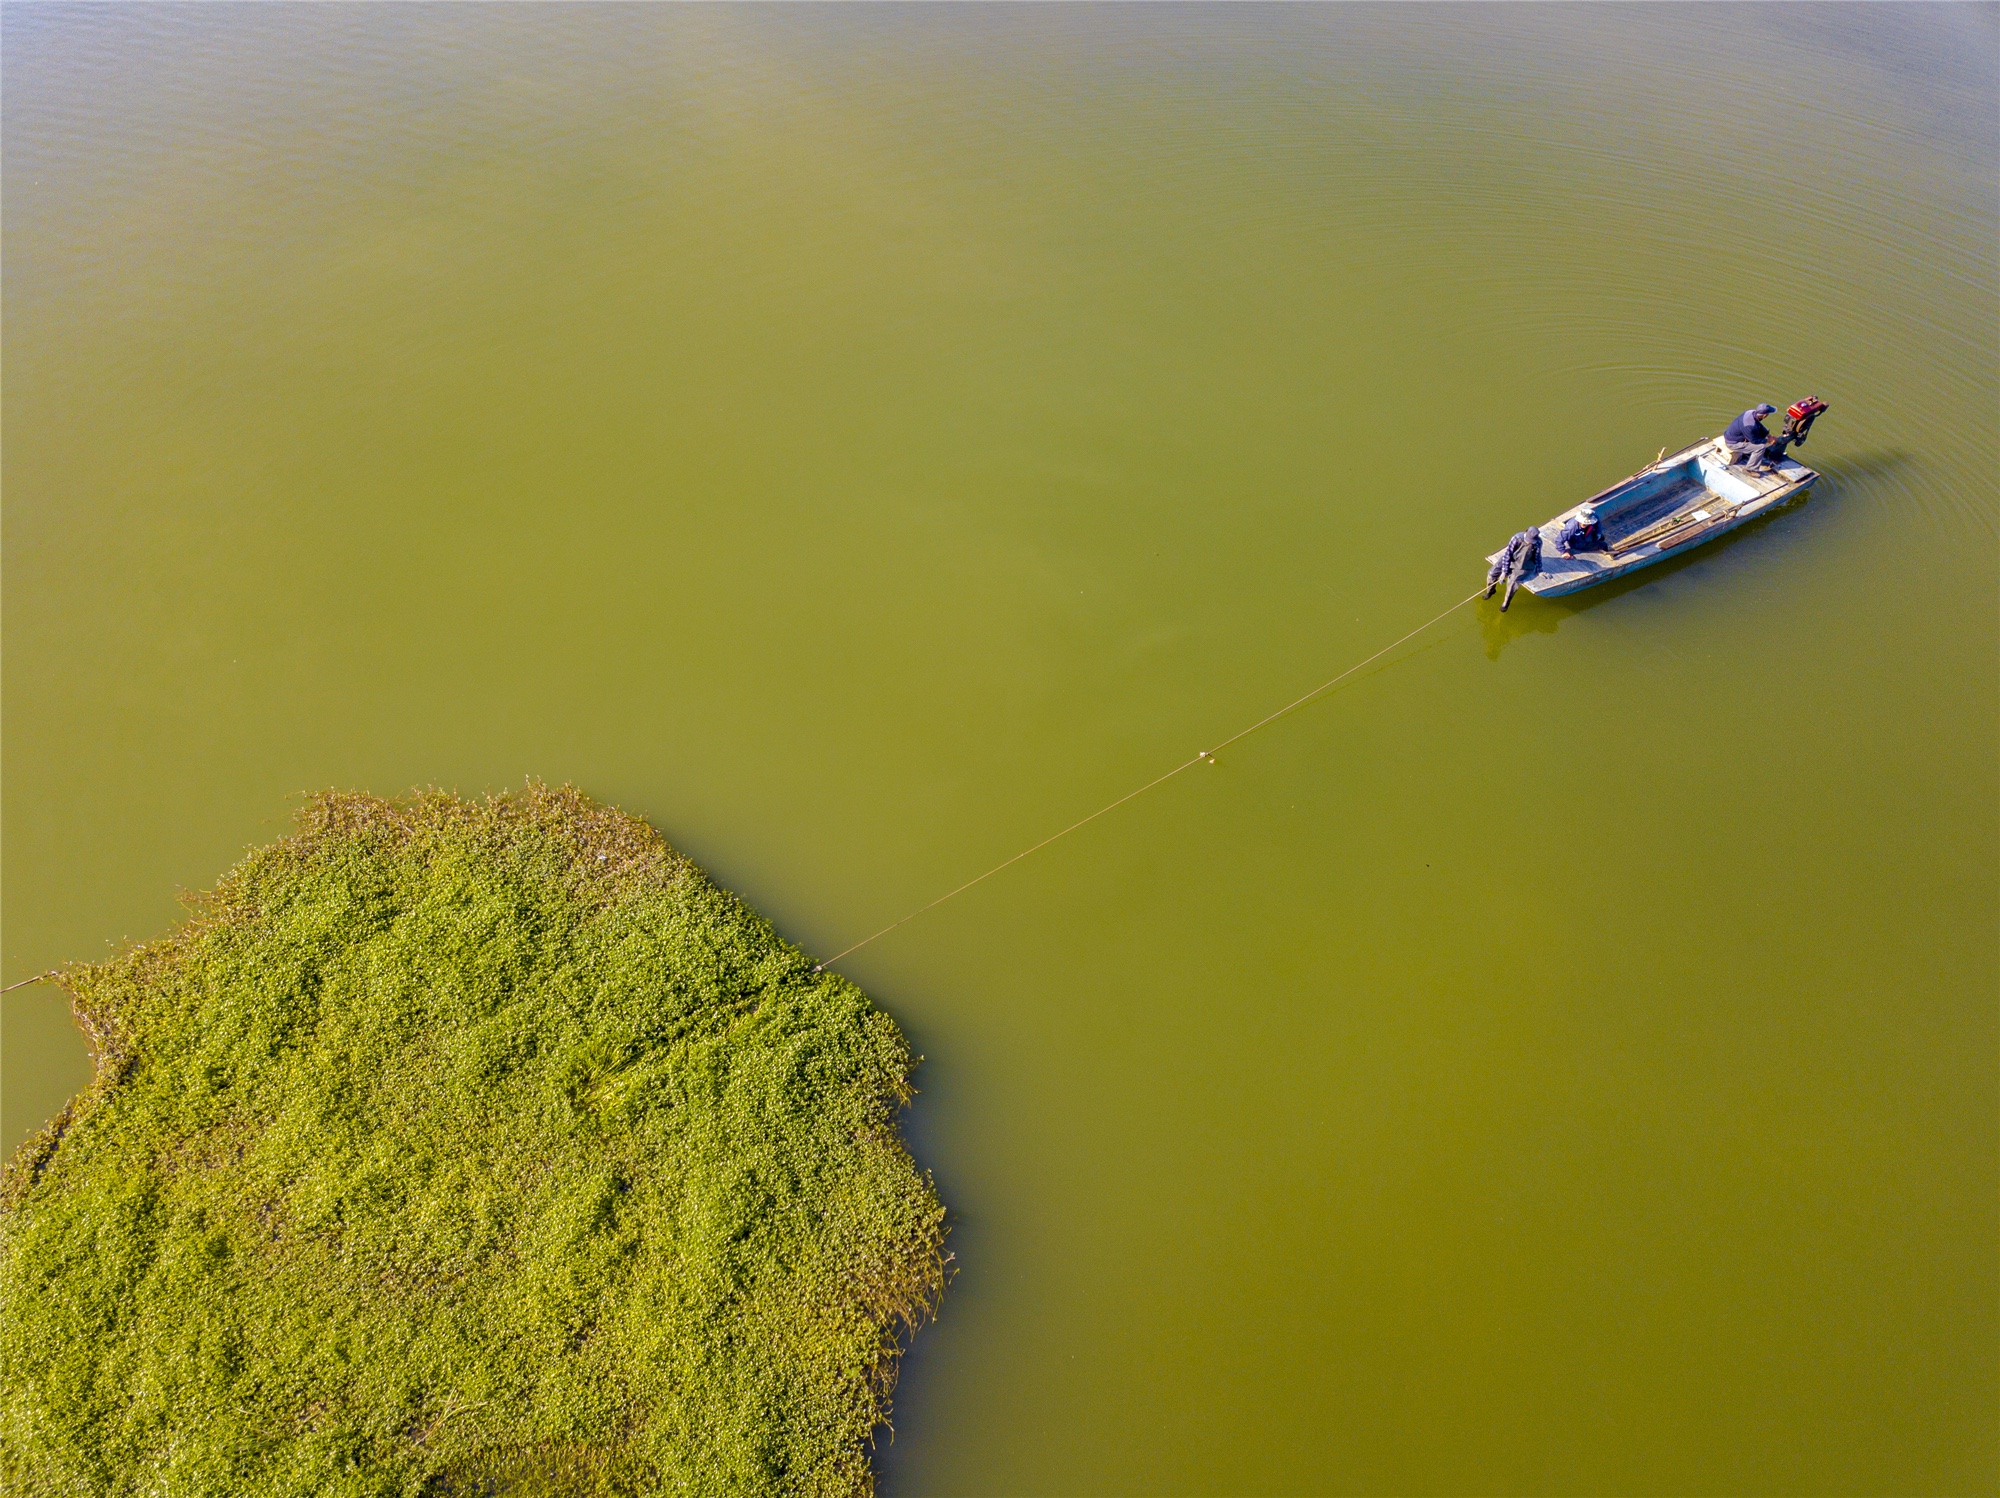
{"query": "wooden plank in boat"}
pixel 1707 501
pixel 1694 533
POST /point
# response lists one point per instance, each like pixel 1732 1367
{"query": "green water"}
pixel 864 440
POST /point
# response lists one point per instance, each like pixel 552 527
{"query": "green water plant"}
pixel 465 1147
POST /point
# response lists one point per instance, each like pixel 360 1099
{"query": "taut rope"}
pixel 1206 754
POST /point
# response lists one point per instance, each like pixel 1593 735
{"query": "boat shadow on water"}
pixel 1842 479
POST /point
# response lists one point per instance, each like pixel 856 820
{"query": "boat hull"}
pixel 1681 502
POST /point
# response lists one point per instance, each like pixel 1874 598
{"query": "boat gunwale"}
pixel 1556 585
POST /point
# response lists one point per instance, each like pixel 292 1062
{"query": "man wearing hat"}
pixel 1749 444
pixel 1581 532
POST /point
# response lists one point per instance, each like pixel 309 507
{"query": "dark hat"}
pixel 1763 410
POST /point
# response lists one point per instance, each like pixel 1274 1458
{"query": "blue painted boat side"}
pixel 1694 494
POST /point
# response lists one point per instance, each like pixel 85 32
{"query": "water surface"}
pixel 864 440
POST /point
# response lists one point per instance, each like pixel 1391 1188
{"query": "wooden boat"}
pixel 1680 501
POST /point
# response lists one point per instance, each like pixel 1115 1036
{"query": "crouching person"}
pixel 1581 532
pixel 1749 440
pixel 1521 560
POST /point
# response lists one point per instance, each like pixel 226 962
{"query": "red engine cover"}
pixel 1812 405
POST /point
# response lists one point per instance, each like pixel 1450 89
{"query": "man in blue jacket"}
pixel 1749 444
pixel 1520 560
pixel 1582 532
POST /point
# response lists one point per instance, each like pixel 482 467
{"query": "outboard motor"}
pixel 1521 560
pixel 1799 417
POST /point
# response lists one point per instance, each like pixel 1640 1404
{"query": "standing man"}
pixel 1749 444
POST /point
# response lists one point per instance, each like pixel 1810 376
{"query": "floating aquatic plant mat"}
pixel 463 1148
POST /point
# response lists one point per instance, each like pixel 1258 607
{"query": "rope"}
pixel 39 977
pixel 1206 754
